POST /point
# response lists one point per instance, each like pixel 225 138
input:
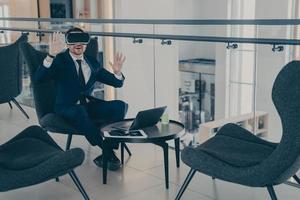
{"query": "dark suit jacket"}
pixel 63 72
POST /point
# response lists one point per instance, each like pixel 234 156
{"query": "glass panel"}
pixel 241 99
pixel 269 64
pixel 242 64
pixel 139 70
pixel 192 30
pixel 40 42
pixel 196 85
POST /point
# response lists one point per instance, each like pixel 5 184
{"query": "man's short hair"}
pixel 74 29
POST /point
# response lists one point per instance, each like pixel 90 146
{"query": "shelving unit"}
pixel 196 92
pixel 209 129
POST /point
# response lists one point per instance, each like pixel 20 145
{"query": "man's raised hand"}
pixel 56 44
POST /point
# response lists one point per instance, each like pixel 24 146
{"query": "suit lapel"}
pixel 91 81
pixel 70 64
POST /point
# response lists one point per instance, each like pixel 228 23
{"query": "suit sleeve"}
pixel 108 78
pixel 44 73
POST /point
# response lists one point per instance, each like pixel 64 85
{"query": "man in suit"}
pixel 74 75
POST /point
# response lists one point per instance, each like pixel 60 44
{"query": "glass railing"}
pixel 201 80
pixel 207 75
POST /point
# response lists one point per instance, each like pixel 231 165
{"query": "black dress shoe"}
pixel 113 163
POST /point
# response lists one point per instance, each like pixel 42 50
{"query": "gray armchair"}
pixel 44 96
pixel 32 157
pixel 237 156
pixel 11 73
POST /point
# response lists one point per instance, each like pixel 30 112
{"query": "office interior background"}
pixel 204 84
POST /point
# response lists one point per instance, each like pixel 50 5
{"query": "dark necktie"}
pixel 81 82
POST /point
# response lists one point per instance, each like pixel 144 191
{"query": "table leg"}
pixel 166 161
pixel 165 148
pixel 177 151
pixel 105 160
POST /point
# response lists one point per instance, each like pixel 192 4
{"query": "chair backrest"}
pixel 92 48
pixel 44 92
pixel 285 159
pixel 10 71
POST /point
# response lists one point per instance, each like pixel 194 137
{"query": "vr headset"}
pixel 77 38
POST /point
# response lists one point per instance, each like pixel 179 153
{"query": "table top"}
pixel 157 133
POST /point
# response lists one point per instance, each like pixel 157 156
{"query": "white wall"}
pixel 195 9
pixel 206 9
pixel 144 63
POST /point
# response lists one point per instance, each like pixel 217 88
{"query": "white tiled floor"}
pixel 142 177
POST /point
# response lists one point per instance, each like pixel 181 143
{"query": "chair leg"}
pixel 10 105
pixel 78 185
pixel 127 149
pixel 19 106
pixel 272 192
pixel 296 179
pixel 185 183
pixel 69 140
pixel 122 152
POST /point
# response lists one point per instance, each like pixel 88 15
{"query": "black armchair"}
pixel 11 74
pixel 44 97
pixel 237 156
pixel 92 48
pixel 32 157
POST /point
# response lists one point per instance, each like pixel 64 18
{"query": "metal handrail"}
pixel 271 41
pixel 164 21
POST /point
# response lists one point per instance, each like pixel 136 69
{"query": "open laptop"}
pixel 144 119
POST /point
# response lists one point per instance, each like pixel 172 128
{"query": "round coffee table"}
pixel 158 135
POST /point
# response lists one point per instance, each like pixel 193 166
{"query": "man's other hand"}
pixel 118 62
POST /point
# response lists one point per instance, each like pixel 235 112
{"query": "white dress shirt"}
pixel 84 65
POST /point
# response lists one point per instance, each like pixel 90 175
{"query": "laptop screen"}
pixel 147 118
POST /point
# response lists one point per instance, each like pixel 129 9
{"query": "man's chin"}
pixel 78 53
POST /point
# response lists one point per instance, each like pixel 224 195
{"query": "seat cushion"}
pixel 54 123
pixel 236 152
pixel 25 153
